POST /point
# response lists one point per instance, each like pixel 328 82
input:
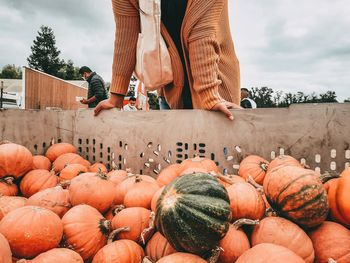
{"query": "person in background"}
pixel 131 106
pixel 96 91
pixel 247 102
pixel 205 67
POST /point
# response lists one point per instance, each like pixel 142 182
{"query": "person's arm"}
pixel 127 21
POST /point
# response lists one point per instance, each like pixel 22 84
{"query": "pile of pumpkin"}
pixel 61 208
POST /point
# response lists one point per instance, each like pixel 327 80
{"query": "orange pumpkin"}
pixel 57 149
pixel 56 255
pixel 9 189
pixel 283 160
pixel 297 194
pixel 331 240
pixel 15 160
pixel 41 162
pixel 5 251
pixel 36 181
pixel 113 211
pixel 168 174
pixel 279 231
pixel 155 199
pixel 85 230
pixel 10 203
pixel 267 253
pixel 336 215
pixel 137 220
pixel 199 162
pixel 236 242
pixel 254 166
pixel 121 251
pixel 31 230
pixel 93 189
pixel 98 167
pixel 343 195
pixel 181 257
pixel 69 158
pixel 55 199
pixel 117 176
pixel 128 184
pixel 245 202
pixel 158 247
pixel 71 171
pixel 193 170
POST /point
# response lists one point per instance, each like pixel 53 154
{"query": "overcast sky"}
pixel 288 45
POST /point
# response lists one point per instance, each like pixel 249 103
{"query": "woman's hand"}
pixel 115 101
pixel 224 107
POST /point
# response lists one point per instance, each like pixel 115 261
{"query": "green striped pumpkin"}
pixel 297 194
pixel 193 213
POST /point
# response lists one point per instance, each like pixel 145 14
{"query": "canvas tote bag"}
pixel 153 63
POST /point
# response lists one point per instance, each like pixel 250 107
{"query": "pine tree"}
pixel 45 54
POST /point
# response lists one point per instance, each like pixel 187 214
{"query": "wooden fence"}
pixel 44 91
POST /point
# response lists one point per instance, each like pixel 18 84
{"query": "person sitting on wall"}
pixel 131 106
pixel 96 91
pixel 246 101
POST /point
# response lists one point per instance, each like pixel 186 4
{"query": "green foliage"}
pixel 45 54
pixel 69 71
pixel 11 72
pixel 266 98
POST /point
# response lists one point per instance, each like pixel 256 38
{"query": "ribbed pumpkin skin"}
pixel 280 231
pixel 297 194
pixel 41 162
pixel 36 181
pixel 5 251
pixel 158 247
pixel 8 189
pixel 254 166
pixel 10 203
pixel 121 251
pixel 56 150
pixel 234 244
pixel 331 240
pixel 193 213
pixel 268 253
pixel 31 230
pixel 168 174
pixel 245 202
pixel 136 218
pixel 180 257
pixel 283 160
pixel 85 230
pixel 155 199
pixel 69 158
pixel 55 199
pixel 93 189
pixel 343 195
pixel 59 255
pixel 336 215
pixel 72 170
pixel 117 176
pixel 198 162
pixel 15 160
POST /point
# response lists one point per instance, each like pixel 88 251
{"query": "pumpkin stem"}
pixel 117 209
pixel 331 260
pixel 224 178
pixel 64 184
pixel 5 142
pixel 138 178
pixel 147 260
pixel 105 226
pixel 115 232
pixel 7 180
pixel 101 174
pixel 257 186
pixel 215 254
pixel 328 176
pixel 270 210
pixel 147 231
pixel 243 221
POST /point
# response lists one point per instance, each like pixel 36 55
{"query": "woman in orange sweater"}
pixel 204 63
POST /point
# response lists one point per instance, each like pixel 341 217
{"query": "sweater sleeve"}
pixel 204 57
pixel 127 21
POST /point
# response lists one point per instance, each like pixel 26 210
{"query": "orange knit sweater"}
pixel 211 62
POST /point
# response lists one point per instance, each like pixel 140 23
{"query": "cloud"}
pixel 287 45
